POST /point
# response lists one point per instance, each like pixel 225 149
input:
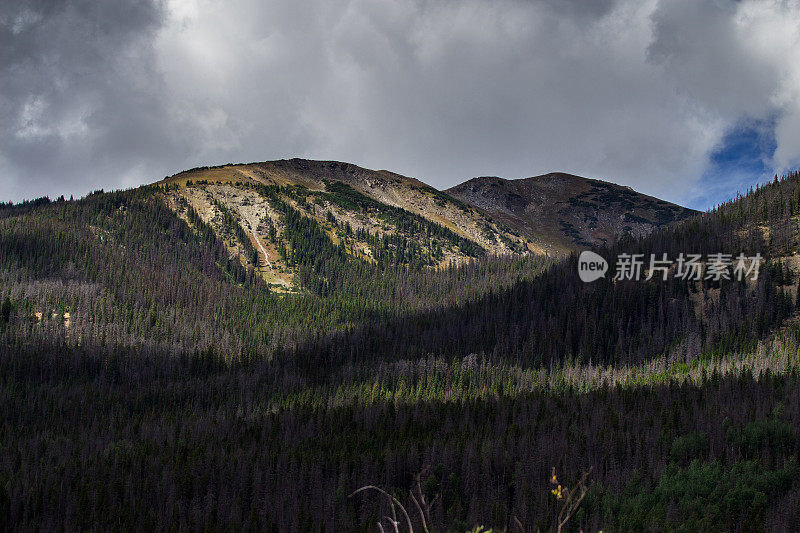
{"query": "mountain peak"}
pixel 567 210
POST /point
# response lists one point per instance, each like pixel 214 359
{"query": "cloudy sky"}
pixel 684 99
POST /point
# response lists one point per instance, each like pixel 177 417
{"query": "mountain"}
pixel 382 186
pixel 566 211
pixel 377 216
pixel 153 377
pixel 384 217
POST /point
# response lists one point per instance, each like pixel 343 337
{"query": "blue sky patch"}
pixel 741 160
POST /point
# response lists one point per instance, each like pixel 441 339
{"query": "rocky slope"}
pixel 567 211
pixel 377 216
pixel 386 187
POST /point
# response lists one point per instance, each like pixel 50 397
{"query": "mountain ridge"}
pixel 570 210
pixel 500 216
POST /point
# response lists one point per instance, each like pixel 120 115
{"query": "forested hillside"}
pixel 157 372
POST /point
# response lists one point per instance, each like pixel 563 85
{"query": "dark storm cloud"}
pixel 80 101
pixel 112 93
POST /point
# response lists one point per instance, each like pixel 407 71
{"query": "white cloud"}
pixel 772 33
